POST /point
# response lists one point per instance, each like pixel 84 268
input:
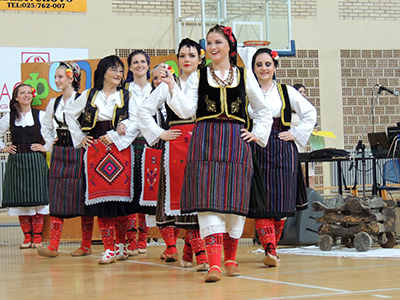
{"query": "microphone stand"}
pixel 373 107
pixel 361 148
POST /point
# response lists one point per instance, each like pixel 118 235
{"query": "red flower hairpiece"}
pixel 69 73
pixel 33 93
pixel 275 55
pixel 228 32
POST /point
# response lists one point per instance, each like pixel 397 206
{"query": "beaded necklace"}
pixel 221 82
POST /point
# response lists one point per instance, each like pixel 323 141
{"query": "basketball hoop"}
pixel 256 43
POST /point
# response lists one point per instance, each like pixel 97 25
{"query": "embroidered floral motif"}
pixel 235 106
pixel 211 105
pixel 88 117
pixel 122 117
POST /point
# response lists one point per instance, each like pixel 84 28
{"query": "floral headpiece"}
pixel 202 53
pixel 275 55
pixel 33 93
pixel 232 42
pixel 228 32
pixel 69 73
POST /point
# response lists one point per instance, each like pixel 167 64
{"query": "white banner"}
pixel 11 59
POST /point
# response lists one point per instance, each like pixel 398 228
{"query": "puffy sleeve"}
pixel 132 128
pixel 4 126
pixel 71 117
pixel 147 124
pixel 185 104
pixel 307 116
pixel 260 112
pixel 48 129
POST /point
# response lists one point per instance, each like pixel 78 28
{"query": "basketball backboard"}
pixel 266 20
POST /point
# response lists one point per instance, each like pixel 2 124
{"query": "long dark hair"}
pixel 76 73
pixel 102 67
pixel 14 104
pixel 190 43
pixel 226 31
pixel 129 76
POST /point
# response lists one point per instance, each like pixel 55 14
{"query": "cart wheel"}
pixel 362 242
pixel 325 242
pixel 387 239
pixel 348 242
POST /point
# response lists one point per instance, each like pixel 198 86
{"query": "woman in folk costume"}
pixel 106 130
pixel 168 216
pixel 278 165
pixel 219 164
pixel 67 177
pixel 25 184
pixel 137 83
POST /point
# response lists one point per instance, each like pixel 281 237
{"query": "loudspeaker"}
pixel 302 228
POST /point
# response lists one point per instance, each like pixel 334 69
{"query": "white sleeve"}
pixel 71 117
pixel 185 104
pixel 148 125
pixel 261 113
pixel 307 115
pixel 47 128
pixel 4 126
pixel 132 129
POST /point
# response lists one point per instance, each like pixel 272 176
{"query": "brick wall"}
pixel 361 70
pixel 300 8
pixel 304 68
pixel 388 10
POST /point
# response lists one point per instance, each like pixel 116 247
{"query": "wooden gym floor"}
pixel 26 275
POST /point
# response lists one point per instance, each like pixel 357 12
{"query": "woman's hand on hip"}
pixel 248 136
pixel 12 149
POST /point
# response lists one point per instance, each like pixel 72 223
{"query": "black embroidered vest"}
pixel 27 134
pixel 230 101
pixel 91 111
pixel 172 118
pixel 286 111
pixel 56 103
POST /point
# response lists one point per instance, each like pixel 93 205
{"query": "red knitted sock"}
pixel 87 232
pixel 230 249
pixel 198 247
pixel 187 248
pixel 131 232
pixel 213 245
pixel 120 229
pixel 278 230
pixel 143 232
pixel 176 234
pixel 167 234
pixel 26 225
pixel 56 226
pixel 106 226
pixel 266 233
pixel 37 225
